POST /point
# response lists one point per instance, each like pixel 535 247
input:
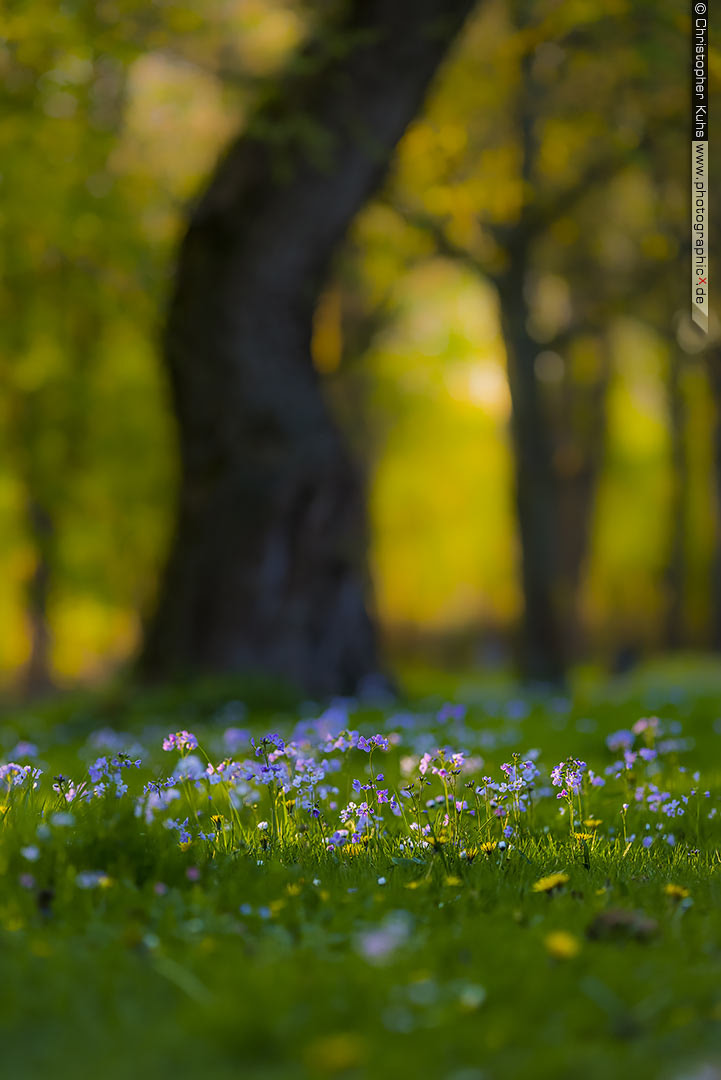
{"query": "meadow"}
pixel 494 885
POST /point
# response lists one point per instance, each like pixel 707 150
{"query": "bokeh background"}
pixel 563 124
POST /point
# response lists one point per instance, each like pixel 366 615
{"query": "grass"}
pixel 277 953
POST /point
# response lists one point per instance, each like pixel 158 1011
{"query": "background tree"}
pixel 267 569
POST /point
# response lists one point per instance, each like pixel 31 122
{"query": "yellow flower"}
pixel 451 880
pixel 580 836
pixel 562 945
pixel 592 823
pixel 331 1054
pixel 676 892
pixel 548 884
pixel 488 846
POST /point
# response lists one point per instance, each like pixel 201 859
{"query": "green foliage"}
pixel 114 114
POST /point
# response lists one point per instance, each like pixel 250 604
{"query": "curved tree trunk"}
pixel 267 570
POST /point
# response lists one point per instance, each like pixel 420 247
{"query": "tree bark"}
pixel 543 656
pixel 267 570
pixel 675 569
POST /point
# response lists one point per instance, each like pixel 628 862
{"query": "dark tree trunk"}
pixel 678 511
pixel 579 447
pixel 543 658
pixel 267 570
pixel 37 676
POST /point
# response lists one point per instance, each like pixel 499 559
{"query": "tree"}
pixel 267 567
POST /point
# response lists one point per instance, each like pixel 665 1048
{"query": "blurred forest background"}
pixel 503 333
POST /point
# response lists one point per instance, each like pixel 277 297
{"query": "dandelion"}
pixel 676 892
pixel 562 945
pixel 551 882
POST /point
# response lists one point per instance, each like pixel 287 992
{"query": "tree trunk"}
pixel 678 511
pixel 543 658
pixel 37 677
pixel 579 446
pixel 267 570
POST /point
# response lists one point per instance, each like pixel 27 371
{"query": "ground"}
pixel 278 933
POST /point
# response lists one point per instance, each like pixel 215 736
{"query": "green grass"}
pixel 262 954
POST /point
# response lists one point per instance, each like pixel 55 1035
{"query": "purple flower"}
pixel 568 775
pixel 620 740
pixel 451 712
pixel 180 740
pixel 376 742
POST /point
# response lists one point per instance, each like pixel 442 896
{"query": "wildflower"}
pixel 272 739
pixel 24 749
pixel 375 742
pixel 620 740
pixel 234 738
pixel 180 740
pixel 676 892
pixel 584 836
pixel 561 945
pixel 568 775
pixel 92 879
pixel 488 846
pixel 592 823
pixel 551 882
pixel 377 944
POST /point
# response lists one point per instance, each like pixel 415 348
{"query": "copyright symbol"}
pixel 700 8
